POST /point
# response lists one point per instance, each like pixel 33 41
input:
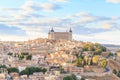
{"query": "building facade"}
pixel 60 35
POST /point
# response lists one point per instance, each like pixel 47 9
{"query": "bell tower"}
pixel 70 34
pixel 51 34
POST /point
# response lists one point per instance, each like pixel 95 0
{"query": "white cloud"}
pixel 108 25
pixel 34 6
pixel 49 7
pixel 36 27
pixel 84 17
pixel 13 38
pixel 31 6
pixel 114 1
pixel 36 34
pixel 110 37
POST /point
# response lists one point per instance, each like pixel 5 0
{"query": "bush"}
pixel 30 70
pixel 21 57
pixel 29 57
pixel 104 63
pixel 98 48
pixel 114 71
pixel 24 72
pixel 10 53
pixel 13 69
pixel 118 74
pixel 71 77
pixel 44 70
pixel 82 79
pixel 3 66
pixel 62 71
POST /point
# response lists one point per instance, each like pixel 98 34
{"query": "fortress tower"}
pixel 60 35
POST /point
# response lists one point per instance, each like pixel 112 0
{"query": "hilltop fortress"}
pixel 60 35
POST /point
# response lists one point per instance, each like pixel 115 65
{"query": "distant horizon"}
pixel 90 20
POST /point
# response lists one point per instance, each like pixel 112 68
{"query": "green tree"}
pixel 10 53
pixel 82 78
pixel 62 71
pixel 24 72
pixel 44 70
pixel 21 56
pixel 78 62
pixel 24 53
pixel 73 77
pixel 70 77
pixel 114 71
pixel 3 66
pixel 37 69
pixel 86 47
pixel 84 62
pixel 91 47
pixel 97 45
pixel 111 54
pixel 98 48
pixel 29 57
pixel 98 51
pixel 76 54
pixel 0 71
pixel 104 63
pixel 31 70
pixel 67 78
pixel 91 62
pixel 13 69
pixel 118 74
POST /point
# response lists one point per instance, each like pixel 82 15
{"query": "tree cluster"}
pixel 117 73
pixel 13 69
pixel 98 48
pixel 94 60
pixel 10 53
pixel 62 71
pixel 30 70
pixel 83 61
pixel 22 56
pixel 104 63
pixel 2 67
pixel 72 77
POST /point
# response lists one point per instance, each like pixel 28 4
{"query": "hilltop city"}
pixel 58 57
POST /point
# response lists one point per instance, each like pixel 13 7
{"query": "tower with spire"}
pixel 70 30
pixel 70 34
pixel 60 35
pixel 51 34
pixel 52 30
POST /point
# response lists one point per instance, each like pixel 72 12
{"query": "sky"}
pixel 90 20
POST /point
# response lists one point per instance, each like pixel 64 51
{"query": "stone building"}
pixel 60 35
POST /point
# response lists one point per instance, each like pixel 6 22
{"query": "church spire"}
pixel 70 30
pixel 49 32
pixel 52 30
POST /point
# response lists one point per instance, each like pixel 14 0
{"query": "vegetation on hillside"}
pixel 30 70
pixel 97 48
pixel 13 69
pixel 117 73
pixel 72 77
